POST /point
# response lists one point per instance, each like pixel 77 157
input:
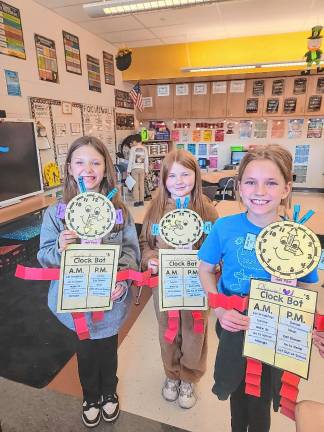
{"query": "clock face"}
pixel 91 215
pixel 181 227
pixel 288 250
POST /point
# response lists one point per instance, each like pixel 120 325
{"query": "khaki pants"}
pixel 138 190
pixel 185 358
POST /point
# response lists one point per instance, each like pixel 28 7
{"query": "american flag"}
pixel 136 96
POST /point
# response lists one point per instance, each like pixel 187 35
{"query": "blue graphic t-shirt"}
pixel 231 242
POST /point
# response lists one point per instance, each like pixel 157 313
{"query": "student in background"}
pixel 264 186
pixel 97 357
pixel 184 360
pixel 138 167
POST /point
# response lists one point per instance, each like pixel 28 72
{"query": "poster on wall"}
pixel 46 59
pixel 295 128
pixel 301 162
pixel 124 121
pixel 93 67
pixel 219 87
pixel 109 71
pixel 231 128
pixel 237 86
pixel 315 127
pixel 202 149
pixel 182 89
pixel 258 88
pixel 200 88
pixel 278 87
pixel 196 135
pixel 277 128
pixel 123 100
pixel 207 135
pixel 163 90
pixel 252 105
pixel 320 85
pixel 99 122
pixel 290 105
pixel 11 35
pixel 12 80
pixel 175 135
pixel 219 135
pixel 300 86
pixel 272 106
pixel 260 129
pixel 192 148
pixel 314 103
pixel 72 53
pixel 245 129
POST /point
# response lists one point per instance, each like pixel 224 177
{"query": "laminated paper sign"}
pixel 87 277
pixel 179 284
pixel 281 324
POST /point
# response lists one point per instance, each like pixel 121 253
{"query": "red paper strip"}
pixel 319 322
pixel 253 367
pixel 130 274
pixel 286 403
pixel 252 390
pixel 81 326
pixel 30 273
pixel 216 300
pixel 173 326
pixel 289 392
pixel 253 379
pixel 97 315
pixel 198 321
pixel 288 413
pixel 290 378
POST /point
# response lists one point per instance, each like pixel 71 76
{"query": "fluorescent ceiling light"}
pixel 121 7
pixel 247 66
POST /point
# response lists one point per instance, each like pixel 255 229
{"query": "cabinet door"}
pixel 200 94
pixel 295 96
pixel 181 101
pixel 273 96
pixel 254 98
pixel 236 98
pixel 315 95
pixel 218 99
pixel 148 113
pixel 164 101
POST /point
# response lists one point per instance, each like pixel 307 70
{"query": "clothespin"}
pixel 81 184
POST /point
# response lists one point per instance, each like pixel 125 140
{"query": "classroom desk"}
pixel 26 207
pixel 215 176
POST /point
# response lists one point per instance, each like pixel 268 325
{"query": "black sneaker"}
pixel 136 204
pixel 141 203
pixel 110 407
pixel 91 413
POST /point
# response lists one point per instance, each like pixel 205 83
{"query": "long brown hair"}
pixel 160 201
pixel 280 156
pixel 109 182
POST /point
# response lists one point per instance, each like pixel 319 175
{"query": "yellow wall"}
pixel 166 61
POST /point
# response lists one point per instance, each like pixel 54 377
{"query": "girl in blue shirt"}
pixel 264 185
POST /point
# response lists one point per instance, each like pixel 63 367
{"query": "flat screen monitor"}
pixel 237 156
pixel 20 175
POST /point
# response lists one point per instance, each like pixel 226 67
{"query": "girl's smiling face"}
pixel 180 181
pixel 261 189
pixel 88 163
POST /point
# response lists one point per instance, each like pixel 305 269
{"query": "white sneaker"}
pixel 187 397
pixel 110 407
pixel 170 389
pixel 91 414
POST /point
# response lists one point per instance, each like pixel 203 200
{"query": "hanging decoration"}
pixel 123 59
pixel 314 53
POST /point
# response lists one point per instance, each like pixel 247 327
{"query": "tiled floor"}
pixel 141 377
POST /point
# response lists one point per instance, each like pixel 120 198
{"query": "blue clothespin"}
pixel 155 230
pixel 207 227
pixel 178 203
pixel 296 212
pixel 4 149
pixel 81 185
pixel 186 202
pixel 307 216
pixel 112 193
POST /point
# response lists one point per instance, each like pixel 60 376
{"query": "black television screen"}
pixel 20 174
pixel 237 156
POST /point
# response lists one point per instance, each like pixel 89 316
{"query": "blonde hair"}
pixel 160 201
pixel 280 156
pixel 109 182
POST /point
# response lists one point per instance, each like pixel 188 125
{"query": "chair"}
pixel 226 189
pixel 210 191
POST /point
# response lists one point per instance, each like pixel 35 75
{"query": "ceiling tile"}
pixel 128 36
pixel 50 4
pixel 73 13
pixel 105 25
pixel 149 42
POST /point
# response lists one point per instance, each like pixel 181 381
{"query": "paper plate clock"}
pixel 52 174
pixel 181 227
pixel 91 215
pixel 288 249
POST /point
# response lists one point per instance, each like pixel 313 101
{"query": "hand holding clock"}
pixel 67 237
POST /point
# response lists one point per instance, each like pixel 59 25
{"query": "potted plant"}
pixel 123 59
